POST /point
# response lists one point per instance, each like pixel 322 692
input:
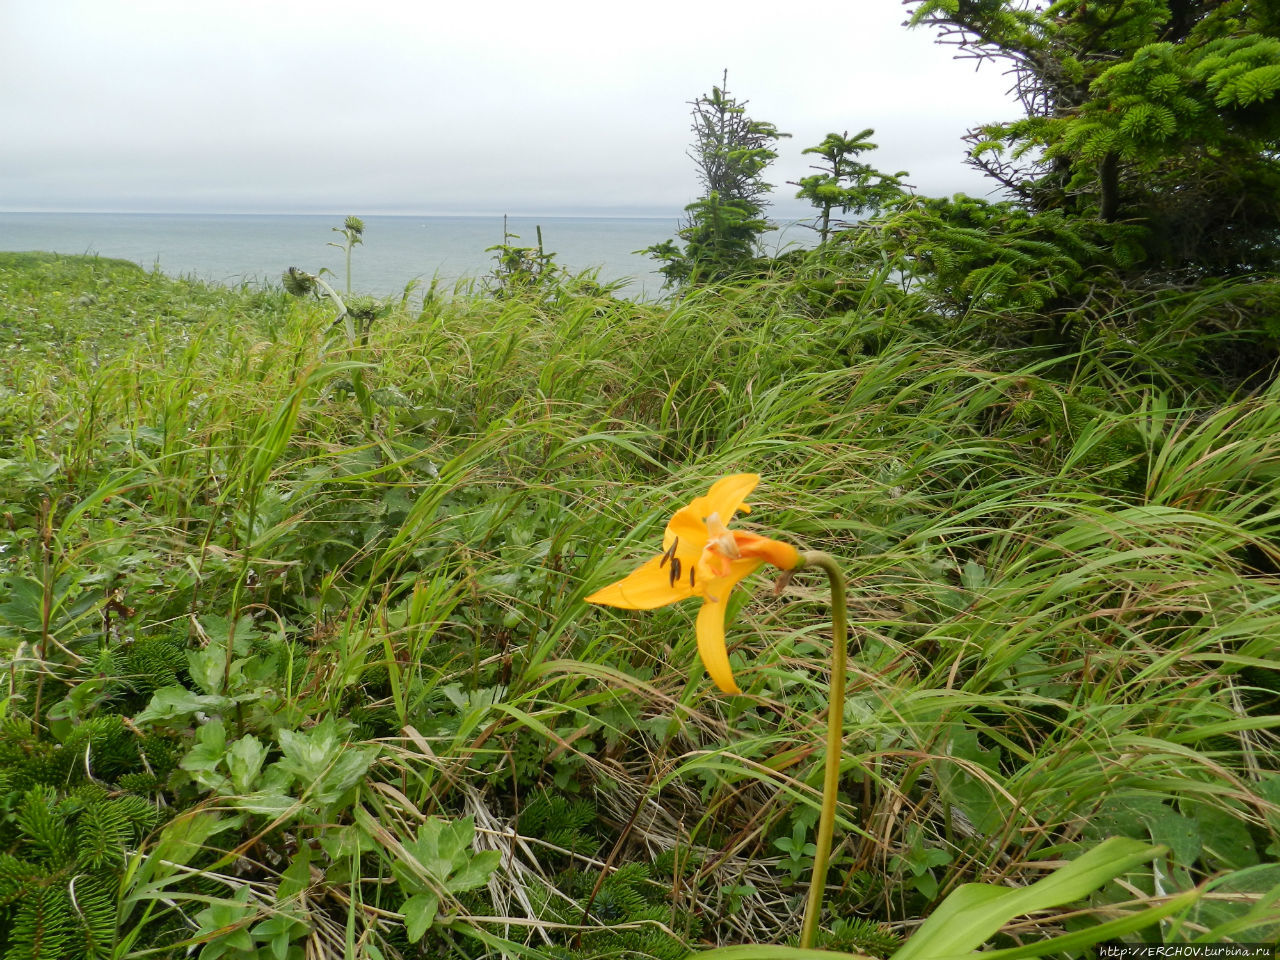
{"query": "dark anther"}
pixel 691 569
pixel 670 554
pixel 675 571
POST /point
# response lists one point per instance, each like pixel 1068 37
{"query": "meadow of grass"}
pixel 297 662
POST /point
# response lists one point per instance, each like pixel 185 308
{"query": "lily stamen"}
pixel 670 554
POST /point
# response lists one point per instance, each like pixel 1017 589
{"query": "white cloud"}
pixel 239 105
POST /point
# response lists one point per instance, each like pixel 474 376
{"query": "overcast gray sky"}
pixel 489 106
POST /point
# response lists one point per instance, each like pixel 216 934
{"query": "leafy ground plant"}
pixel 286 665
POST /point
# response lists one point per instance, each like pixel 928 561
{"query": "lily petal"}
pixel 648 587
pixel 782 555
pixel 687 524
pixel 711 645
pixel 725 497
pixel 727 494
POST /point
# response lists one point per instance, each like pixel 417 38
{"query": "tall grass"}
pixel 1064 599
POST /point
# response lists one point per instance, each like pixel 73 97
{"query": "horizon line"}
pixel 597 214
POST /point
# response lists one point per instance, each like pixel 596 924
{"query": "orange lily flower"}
pixel 702 557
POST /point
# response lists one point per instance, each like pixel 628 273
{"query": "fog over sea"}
pixel 256 248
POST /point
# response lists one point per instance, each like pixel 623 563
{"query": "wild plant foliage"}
pixel 67 836
pixel 294 621
pixel 293 676
pixel 845 183
pixel 723 227
pixel 1163 113
pixel 972 254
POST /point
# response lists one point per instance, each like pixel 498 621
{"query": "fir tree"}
pixel 58 892
pixel 1163 112
pixel 845 183
pixel 723 226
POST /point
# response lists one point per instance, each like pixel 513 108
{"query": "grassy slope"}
pixel 1064 602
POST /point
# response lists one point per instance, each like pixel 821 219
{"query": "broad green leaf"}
pixel 179 703
pixel 217 628
pixel 181 840
pixel 974 913
pixel 1240 916
pixel 322 762
pixel 267 803
pixel 244 759
pixel 980 800
pixel 225 916
pixel 973 576
pixel 348 770
pixel 297 877
pixel 308 754
pixel 453 840
pixel 425 849
pixel 419 913
pixel 208 668
pixel 475 871
pixel 768 952
pixel 1070 942
pixel 1180 834
pixel 23 608
pixel 346 842
pixel 278 930
pixel 203 759
pixel 1225 841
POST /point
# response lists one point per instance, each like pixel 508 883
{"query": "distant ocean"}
pixel 249 248
pixel 233 249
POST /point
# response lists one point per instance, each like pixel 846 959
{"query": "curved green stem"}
pixel 835 738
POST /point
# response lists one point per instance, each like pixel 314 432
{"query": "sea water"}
pixel 235 249
pixel 396 251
